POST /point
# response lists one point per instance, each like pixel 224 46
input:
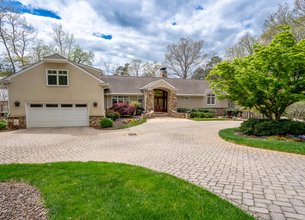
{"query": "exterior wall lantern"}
pixel 95 104
pixel 17 103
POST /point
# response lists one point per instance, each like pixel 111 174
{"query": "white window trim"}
pixel 187 98
pixel 211 94
pixel 57 78
pixel 117 98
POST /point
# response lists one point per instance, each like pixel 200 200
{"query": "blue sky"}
pixel 120 30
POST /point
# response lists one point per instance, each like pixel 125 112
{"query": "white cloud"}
pixel 143 29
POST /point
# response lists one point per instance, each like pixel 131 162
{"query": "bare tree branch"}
pixel 182 58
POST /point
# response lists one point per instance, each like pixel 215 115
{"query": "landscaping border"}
pixel 229 134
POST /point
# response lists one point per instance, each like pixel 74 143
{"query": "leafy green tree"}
pixel 201 72
pixel 269 80
pixel 122 70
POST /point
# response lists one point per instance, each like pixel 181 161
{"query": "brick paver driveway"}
pixel 267 183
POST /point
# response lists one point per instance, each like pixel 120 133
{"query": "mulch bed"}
pixel 21 201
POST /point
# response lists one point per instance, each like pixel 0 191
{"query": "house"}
pixel 57 92
pixel 3 101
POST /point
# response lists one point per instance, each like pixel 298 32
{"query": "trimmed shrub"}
pixel 124 109
pixel 183 110
pixel 3 124
pixel 232 112
pixel 138 106
pixel 201 110
pixel 268 127
pixel 139 110
pixel 106 123
pixel 113 115
pixel 202 115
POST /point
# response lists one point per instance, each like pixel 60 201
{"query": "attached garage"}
pixel 56 115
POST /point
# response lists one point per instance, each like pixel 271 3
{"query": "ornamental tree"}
pixel 269 80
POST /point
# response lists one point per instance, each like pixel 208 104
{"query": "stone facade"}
pixel 16 122
pixel 171 100
pixel 94 121
pixel 149 100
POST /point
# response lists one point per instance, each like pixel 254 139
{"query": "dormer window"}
pixel 57 77
pixel 211 99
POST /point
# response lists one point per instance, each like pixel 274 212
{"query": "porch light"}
pixel 95 104
pixel 17 103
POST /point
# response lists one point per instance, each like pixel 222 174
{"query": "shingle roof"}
pixel 132 84
pixel 55 57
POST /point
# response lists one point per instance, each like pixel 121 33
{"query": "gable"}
pixel 161 83
pixel 56 64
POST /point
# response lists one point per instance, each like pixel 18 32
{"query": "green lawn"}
pixel 93 190
pixel 229 134
pixel 209 119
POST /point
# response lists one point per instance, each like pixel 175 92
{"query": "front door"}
pixel 160 100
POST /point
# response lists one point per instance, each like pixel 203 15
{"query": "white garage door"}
pixel 57 115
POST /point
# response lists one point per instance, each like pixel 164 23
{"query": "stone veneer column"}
pixel 16 122
pixel 149 100
pixel 172 101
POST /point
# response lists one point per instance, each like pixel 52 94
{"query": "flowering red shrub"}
pixel 123 108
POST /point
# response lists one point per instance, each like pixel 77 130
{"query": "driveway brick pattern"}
pixel 268 184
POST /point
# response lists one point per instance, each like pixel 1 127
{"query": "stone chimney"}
pixel 163 72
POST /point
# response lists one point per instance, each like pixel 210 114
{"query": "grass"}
pixel 132 124
pixel 229 134
pixel 95 190
pixel 209 119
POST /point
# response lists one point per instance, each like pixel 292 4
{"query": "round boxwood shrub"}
pixel 3 124
pixel 202 115
pixel 268 127
pixel 113 115
pixel 106 123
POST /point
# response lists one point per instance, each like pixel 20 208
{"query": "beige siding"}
pixel 199 102
pixel 30 87
pixel 194 102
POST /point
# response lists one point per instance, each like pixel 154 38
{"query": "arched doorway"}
pixel 160 100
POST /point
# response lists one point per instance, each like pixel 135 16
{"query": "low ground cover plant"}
pixel 106 123
pixel 112 114
pixel 132 122
pixel 3 124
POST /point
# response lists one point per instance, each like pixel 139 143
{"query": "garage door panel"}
pixel 57 116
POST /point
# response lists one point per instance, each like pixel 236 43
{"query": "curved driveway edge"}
pixel 266 183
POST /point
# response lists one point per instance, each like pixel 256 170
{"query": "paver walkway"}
pixel 267 183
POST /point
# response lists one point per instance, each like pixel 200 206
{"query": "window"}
pixel 211 99
pixel 66 105
pixel 187 98
pixel 36 105
pixel 80 105
pixel 57 77
pixel 120 99
pixel 51 105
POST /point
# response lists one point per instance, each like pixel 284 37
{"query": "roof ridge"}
pixel 151 77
